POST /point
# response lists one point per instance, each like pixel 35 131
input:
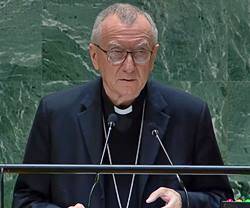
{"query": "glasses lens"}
pixel 141 56
pixel 116 56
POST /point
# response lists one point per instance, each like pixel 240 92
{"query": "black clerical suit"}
pixel 68 129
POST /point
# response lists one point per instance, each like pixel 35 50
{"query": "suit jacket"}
pixel 67 129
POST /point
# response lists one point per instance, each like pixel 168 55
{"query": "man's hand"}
pixel 170 196
pixel 78 205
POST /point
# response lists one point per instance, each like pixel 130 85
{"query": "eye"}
pixel 141 52
pixel 115 48
pixel 117 53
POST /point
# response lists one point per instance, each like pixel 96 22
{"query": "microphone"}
pixel 112 119
pixel 155 133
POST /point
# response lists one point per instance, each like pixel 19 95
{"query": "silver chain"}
pixel 136 160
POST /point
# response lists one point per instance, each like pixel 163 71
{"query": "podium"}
pixel 124 169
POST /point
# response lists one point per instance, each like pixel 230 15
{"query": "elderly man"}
pixel 70 127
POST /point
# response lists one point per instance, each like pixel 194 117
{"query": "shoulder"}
pixel 178 100
pixel 70 98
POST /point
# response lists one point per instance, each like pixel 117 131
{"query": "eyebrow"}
pixel 113 45
pixel 143 44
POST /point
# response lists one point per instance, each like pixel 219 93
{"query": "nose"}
pixel 128 64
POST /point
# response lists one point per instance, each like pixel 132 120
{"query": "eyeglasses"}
pixel 118 55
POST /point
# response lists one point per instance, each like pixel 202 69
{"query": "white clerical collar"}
pixel 123 111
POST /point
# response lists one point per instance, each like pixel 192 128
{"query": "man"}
pixel 70 127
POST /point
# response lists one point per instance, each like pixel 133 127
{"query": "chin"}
pixel 129 93
pixel 128 97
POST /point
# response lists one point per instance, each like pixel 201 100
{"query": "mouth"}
pixel 127 80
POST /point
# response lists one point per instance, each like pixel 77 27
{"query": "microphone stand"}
pixel 155 133
pixel 111 123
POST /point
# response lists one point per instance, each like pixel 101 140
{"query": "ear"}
pixel 153 56
pixel 94 56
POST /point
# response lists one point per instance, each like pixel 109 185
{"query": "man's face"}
pixel 123 82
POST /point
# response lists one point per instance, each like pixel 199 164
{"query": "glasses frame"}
pixel 125 57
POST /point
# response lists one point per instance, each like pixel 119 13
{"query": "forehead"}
pixel 114 31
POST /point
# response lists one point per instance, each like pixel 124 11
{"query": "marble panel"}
pixel 238 26
pixel 236 118
pixel 193 38
pixel 66 27
pixel 18 101
pixel 16 72
pixel 20 33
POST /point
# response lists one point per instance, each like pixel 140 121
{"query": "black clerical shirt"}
pixel 123 145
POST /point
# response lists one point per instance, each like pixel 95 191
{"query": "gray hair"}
pixel 127 13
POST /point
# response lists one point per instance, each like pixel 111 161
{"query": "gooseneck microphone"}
pixel 112 119
pixel 155 133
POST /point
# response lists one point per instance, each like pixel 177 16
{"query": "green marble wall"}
pixel 204 50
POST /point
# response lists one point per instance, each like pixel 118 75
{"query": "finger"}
pixel 160 192
pixel 78 205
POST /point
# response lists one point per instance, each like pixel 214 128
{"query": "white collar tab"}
pixel 123 111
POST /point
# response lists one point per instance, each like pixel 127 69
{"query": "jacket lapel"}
pixel 156 117
pixel 90 122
